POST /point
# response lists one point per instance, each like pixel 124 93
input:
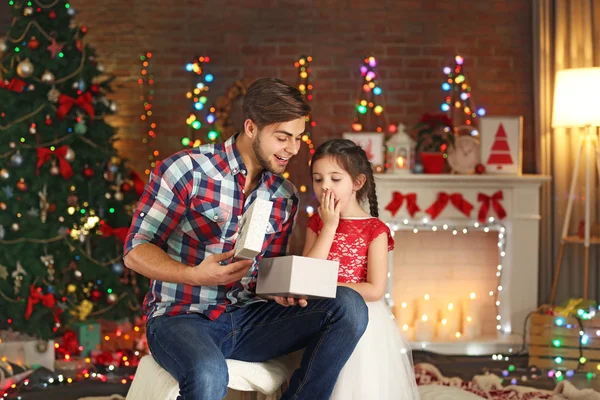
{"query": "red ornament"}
pixel 48 120
pixel 96 295
pixel 480 169
pixel 33 43
pixel 88 172
pixel 126 187
pixel 52 207
pixel 83 30
pixel 52 14
pixel 22 185
pixel 95 89
pixel 79 45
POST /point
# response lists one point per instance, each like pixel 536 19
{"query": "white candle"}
pixel 424 329
pixel 405 313
pixel 472 307
pixel 428 306
pixel 451 313
pixel 407 331
pixel 444 330
pixel 471 328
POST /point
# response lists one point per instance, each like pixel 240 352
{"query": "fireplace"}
pixel 462 278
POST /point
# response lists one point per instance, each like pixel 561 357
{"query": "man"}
pixel 202 306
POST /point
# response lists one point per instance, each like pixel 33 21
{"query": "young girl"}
pixel 381 365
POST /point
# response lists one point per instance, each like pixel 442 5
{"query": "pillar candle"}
pixel 405 313
pixel 424 329
pixel 428 306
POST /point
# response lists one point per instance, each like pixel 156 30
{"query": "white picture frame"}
pixel 502 144
pixel 372 143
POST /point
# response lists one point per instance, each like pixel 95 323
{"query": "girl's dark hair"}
pixel 353 159
pixel 270 100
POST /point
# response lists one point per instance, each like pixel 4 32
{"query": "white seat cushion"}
pixel 153 382
pixel 441 392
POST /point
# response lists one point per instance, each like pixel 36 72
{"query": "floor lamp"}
pixel 577 105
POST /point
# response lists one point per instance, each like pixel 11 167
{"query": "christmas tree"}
pixel 202 117
pixel 66 198
pixel 369 103
pixel 459 104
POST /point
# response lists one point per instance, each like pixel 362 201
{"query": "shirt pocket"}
pixel 208 221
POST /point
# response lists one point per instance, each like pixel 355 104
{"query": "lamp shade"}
pixel 576 98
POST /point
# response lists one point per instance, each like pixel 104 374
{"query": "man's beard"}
pixel 263 159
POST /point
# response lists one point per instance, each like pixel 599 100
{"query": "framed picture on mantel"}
pixel 501 144
pixel 372 143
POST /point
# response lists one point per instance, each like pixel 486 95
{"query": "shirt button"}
pixel 216 217
pixel 142 214
pixel 235 171
pixel 244 172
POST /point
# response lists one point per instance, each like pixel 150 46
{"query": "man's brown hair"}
pixel 271 100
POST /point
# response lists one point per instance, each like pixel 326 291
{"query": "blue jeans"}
pixel 193 348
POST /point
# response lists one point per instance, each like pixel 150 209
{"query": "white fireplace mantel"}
pixel 521 200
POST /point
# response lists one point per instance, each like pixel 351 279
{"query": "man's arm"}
pixel 158 213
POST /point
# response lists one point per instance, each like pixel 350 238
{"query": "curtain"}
pixel 566 35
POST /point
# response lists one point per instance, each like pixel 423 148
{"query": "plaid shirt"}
pixel 190 208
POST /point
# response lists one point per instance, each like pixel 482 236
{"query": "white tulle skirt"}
pixel 381 366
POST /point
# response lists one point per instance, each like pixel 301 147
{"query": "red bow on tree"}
pixel 485 205
pixel 119 233
pixel 396 203
pixel 14 85
pixel 457 201
pixel 44 154
pixel 47 300
pixel 65 103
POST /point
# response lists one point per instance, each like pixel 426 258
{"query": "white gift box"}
pixel 29 352
pixel 252 229
pixel 295 276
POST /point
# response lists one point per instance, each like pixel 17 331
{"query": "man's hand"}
pixel 290 301
pixel 211 273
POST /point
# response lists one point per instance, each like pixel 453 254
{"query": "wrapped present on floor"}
pixel 88 335
pixel 565 337
pixel 73 366
pixel 253 226
pixel 295 276
pixel 117 341
pixel 22 349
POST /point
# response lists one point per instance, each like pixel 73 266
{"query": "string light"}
pixel 424 225
pixel 369 100
pixel 202 116
pixel 146 82
pixel 459 104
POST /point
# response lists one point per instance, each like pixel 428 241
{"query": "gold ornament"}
pixel 71 288
pixel 54 170
pixel 15 227
pixel 118 196
pixel 4 174
pixel 83 310
pixel 111 298
pixel 25 68
pixel 48 77
pixel 3 46
pixel 27 11
pixel 70 156
pixel 53 95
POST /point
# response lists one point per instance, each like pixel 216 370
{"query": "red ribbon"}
pixel 485 205
pixel 396 203
pixel 119 233
pixel 457 201
pixel 44 154
pixel 65 103
pixel 14 85
pixel 47 300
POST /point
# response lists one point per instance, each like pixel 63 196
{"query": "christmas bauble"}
pixel 83 30
pixel 3 206
pixel 70 155
pixel 12 145
pixel 111 298
pixel 25 68
pixel 16 159
pixel 54 170
pixel 126 187
pixel 75 85
pixel 52 207
pixel 118 268
pixel 22 185
pixel 32 129
pixel 4 174
pixel 53 95
pixel 480 169
pixel 113 168
pixel 418 168
pixel 15 227
pixel 33 43
pixel 71 288
pixel 96 295
pixel 119 196
pixel 78 274
pixel 48 120
pixel 71 11
pixel 113 106
pixel 27 11
pixel 52 14
pixel 100 67
pixel 48 77
pixel 3 46
pixel 88 172
pixel 95 89
pixel 80 128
